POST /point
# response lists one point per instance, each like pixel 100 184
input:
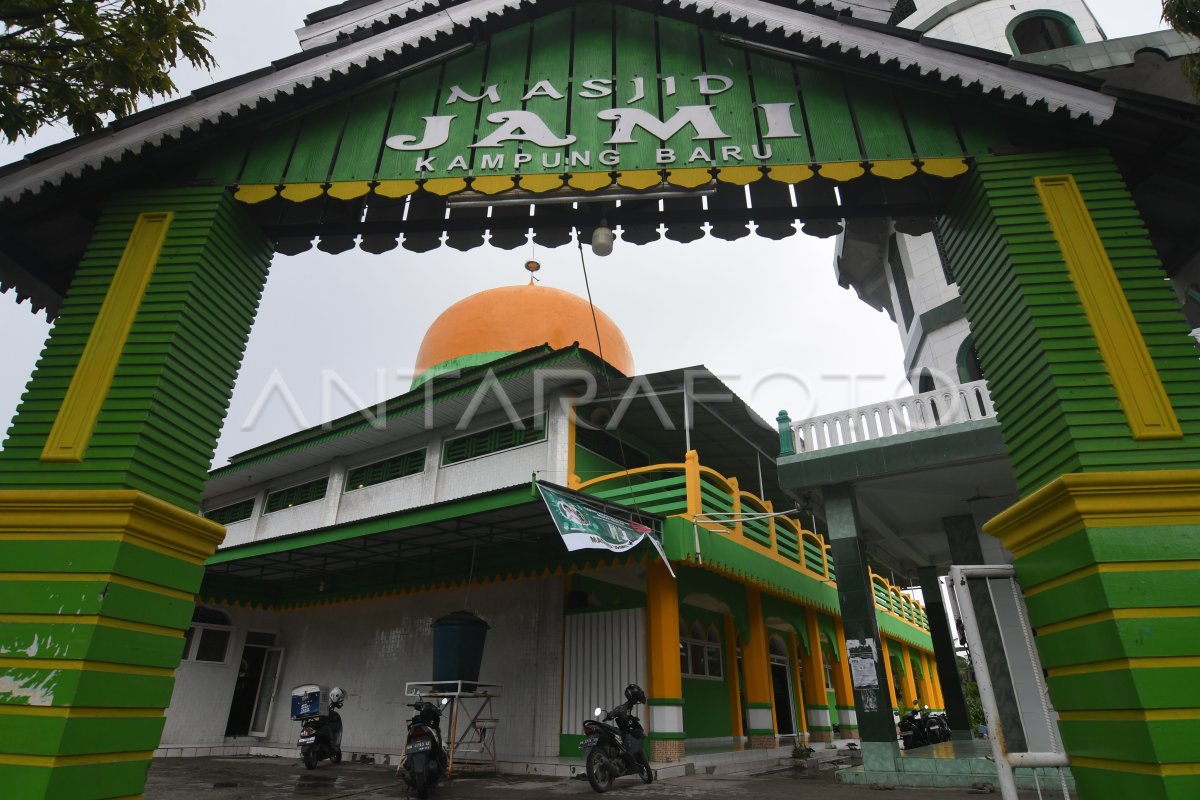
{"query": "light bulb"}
pixel 602 239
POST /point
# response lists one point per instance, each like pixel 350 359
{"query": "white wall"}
pixel 984 25
pixel 371 649
pixel 547 459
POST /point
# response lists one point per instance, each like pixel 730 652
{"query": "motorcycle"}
pixel 918 728
pixel 425 760
pixel 937 729
pixel 615 750
pixel 321 735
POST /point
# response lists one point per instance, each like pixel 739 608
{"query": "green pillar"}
pixel 99 480
pixel 945 661
pixel 1094 379
pixel 873 706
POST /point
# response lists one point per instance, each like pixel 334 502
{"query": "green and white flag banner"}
pixel 584 527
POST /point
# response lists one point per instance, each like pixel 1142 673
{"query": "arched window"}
pixel 699 651
pixel 1038 31
pixel 778 650
pixel 208 637
pixel 925 383
pixel 969 369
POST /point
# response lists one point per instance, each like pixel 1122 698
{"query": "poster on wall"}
pixel 585 527
pixel 863 673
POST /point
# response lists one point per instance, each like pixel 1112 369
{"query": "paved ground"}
pixel 276 778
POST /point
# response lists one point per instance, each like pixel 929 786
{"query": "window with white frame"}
pixel 207 639
pixel 699 651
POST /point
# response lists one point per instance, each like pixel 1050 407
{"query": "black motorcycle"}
pixel 919 728
pixel 425 759
pixel 321 735
pixel 615 750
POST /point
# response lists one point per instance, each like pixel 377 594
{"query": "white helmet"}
pixel 336 695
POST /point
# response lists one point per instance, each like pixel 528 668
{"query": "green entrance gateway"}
pixel 1057 201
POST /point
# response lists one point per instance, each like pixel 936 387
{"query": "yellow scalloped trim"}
pixel 944 167
pixel 689 178
pixel 893 170
pixel 739 175
pixel 492 184
pixel 252 193
pixel 299 192
pixel 589 181
pixel 790 173
pixel 395 189
pixel 541 183
pixel 841 171
pixel 639 178
pixel 349 190
pixel 445 186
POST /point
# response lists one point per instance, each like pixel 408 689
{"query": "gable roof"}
pixel 408 44
pixel 51 198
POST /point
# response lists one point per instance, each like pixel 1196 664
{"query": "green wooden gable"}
pixel 601 94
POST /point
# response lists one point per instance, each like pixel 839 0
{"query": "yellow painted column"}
pixel 910 686
pixel 731 677
pixel 820 724
pixel 842 687
pixel 887 663
pixel 937 683
pixel 665 696
pixel 927 694
pixel 759 707
pixel 794 646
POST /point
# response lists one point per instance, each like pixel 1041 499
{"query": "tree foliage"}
pixel 1184 16
pixel 81 60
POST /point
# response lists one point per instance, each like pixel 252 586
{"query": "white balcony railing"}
pixel 937 409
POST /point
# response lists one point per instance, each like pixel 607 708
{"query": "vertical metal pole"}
pixel 687 419
pixel 987 697
pixel 762 490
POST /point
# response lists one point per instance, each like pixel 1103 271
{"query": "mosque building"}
pixel 345 542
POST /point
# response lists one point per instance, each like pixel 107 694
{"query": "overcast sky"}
pixel 767 316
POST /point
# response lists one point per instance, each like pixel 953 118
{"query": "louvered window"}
pixel 387 470
pixel 226 515
pixel 490 441
pixel 296 495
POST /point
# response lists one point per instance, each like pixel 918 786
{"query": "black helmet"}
pixel 634 694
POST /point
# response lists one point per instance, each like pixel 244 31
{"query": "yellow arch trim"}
pixel 841 171
pixel 445 186
pixel 893 170
pixel 93 376
pixel 300 192
pixel 739 176
pixel 541 183
pixel 589 181
pixel 349 190
pixel 491 184
pixel 689 178
pixel 395 189
pixel 251 193
pixel 790 173
pixel 639 178
pixel 944 167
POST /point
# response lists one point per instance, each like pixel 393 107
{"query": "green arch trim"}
pixel 1069 22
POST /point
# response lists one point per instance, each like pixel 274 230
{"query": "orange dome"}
pixel 497 322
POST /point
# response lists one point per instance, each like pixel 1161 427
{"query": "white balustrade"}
pixel 952 405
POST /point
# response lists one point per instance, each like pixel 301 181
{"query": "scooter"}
pixel 425 759
pixel 615 750
pixel 937 729
pixel 912 730
pixel 321 736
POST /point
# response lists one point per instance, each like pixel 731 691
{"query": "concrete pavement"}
pixel 277 778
